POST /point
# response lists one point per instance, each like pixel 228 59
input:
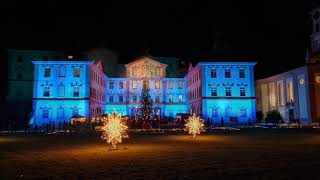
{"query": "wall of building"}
pixel 239 105
pixel 286 92
pixel 62 88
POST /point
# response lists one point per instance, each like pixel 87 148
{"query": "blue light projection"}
pixel 59 91
pixel 214 90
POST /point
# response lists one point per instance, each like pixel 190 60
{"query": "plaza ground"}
pixel 244 154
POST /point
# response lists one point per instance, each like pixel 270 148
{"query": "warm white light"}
pixel 114 130
pixel 194 125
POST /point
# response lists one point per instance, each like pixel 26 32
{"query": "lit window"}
pixel 110 98
pixel 46 91
pixel 157 99
pixel 214 91
pixel 76 91
pixel 157 84
pixel 228 91
pixel 157 71
pixel 120 85
pixel 134 85
pixel 213 73
pixel 170 85
pixel 111 84
pixel 120 98
pixel 47 72
pixel 76 72
pixel 45 113
pixel 242 91
pixel 180 98
pixel 241 73
pixel 134 98
pixel 180 85
pixel 170 98
pixel 227 73
pixel 61 90
pixel 290 91
pixel 70 57
pixel 62 71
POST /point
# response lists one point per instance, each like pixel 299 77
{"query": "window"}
pixel 111 84
pixel 157 99
pixel 60 113
pixel 47 72
pixel 241 73
pixel 62 71
pixel 19 76
pixel 121 85
pixel 75 91
pixel 110 98
pixel 76 72
pixel 134 98
pixel 61 90
pixel 157 84
pixel 75 111
pixel 290 91
pixel 243 112
pixel 134 71
pixel 134 85
pixel 213 73
pixel 214 91
pixel 215 112
pixel 45 113
pixel 242 91
pixel 146 84
pixel 120 98
pixel 227 73
pixel 157 71
pixel 19 59
pixel 228 91
pixel 170 98
pixel 180 98
pixel 170 85
pixel 180 85
pixel 46 91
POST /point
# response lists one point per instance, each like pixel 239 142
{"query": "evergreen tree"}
pixel 146 104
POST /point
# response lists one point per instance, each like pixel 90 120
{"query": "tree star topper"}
pixel 114 130
pixel 194 125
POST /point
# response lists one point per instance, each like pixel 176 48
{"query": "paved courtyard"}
pixel 244 154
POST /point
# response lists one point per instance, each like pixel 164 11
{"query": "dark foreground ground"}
pixel 246 154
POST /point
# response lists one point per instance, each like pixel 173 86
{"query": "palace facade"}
pixel 213 90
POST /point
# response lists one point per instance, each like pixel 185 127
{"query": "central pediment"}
pixel 145 67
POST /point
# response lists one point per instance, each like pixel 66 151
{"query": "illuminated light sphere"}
pixel 194 125
pixel 114 130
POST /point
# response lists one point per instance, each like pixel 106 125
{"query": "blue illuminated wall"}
pixel 164 92
pixel 59 92
pixel 237 106
pixel 193 93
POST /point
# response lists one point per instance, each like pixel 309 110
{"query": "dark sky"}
pixel 274 33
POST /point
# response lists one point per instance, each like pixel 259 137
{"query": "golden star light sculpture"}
pixel 194 125
pixel 114 130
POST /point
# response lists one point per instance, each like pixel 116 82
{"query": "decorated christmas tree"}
pixel 146 104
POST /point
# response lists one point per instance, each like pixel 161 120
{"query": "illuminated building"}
pixel 213 90
pixel 295 93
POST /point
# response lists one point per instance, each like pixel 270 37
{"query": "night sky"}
pixel 273 33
